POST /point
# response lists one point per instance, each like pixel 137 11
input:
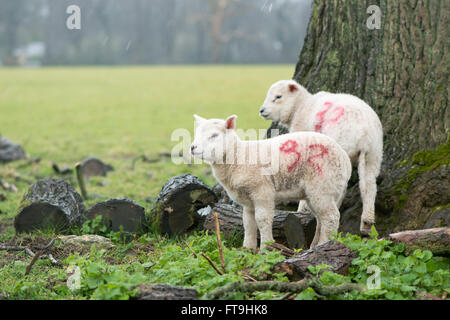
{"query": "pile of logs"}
pixel 185 204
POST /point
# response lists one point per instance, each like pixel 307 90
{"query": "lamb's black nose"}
pixel 193 148
pixel 261 110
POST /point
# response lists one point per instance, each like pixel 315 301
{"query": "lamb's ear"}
pixel 230 122
pixel 198 119
pixel 293 87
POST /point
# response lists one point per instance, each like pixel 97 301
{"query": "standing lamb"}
pixel 344 117
pixel 303 165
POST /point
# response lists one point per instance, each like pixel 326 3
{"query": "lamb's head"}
pixel 280 101
pixel 211 138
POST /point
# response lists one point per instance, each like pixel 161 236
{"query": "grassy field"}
pixel 63 115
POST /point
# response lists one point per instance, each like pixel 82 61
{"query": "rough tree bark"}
pixel 119 214
pixel 332 253
pixel 176 209
pixel 50 203
pixel 401 70
pixel 437 240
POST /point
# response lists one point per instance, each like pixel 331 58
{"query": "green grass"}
pixel 63 115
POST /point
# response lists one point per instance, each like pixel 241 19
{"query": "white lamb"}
pixel 346 118
pixel 308 166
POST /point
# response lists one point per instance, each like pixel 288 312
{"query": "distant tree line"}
pixel 157 31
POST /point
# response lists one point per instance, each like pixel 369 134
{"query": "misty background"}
pixel 114 32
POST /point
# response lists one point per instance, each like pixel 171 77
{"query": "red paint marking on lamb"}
pixel 290 147
pixel 321 122
pixel 321 116
pixel 323 153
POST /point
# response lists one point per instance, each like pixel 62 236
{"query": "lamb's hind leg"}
pixel 327 219
pixel 250 227
pixel 368 169
pixel 303 207
pixel 315 240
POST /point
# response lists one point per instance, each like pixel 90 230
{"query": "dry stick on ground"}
pixel 31 253
pixel 189 247
pixel 80 179
pixel 211 263
pixel 219 241
pixel 293 287
pixel 38 254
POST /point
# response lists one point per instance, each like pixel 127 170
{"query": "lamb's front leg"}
pixel 250 228
pixel 264 211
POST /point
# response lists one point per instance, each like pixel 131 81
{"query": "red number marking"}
pixel 323 152
pixel 290 146
pixel 321 122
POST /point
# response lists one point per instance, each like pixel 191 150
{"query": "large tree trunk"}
pixel 401 70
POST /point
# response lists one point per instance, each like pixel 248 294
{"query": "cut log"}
pixel 117 213
pixel 175 209
pixel 164 292
pixel 50 203
pixel 289 228
pixel 437 240
pixel 94 167
pixel 10 151
pixel 332 253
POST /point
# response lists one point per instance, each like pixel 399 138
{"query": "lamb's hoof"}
pixel 366 227
pixel 304 210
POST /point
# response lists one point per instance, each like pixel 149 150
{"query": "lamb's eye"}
pixel 214 135
pixel 276 98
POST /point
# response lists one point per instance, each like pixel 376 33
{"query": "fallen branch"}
pixel 437 240
pixel 291 287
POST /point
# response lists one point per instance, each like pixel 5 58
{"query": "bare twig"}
pixel 219 241
pixel 189 247
pixel 211 263
pixel 80 179
pixel 12 248
pixel 33 261
pixel 38 254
